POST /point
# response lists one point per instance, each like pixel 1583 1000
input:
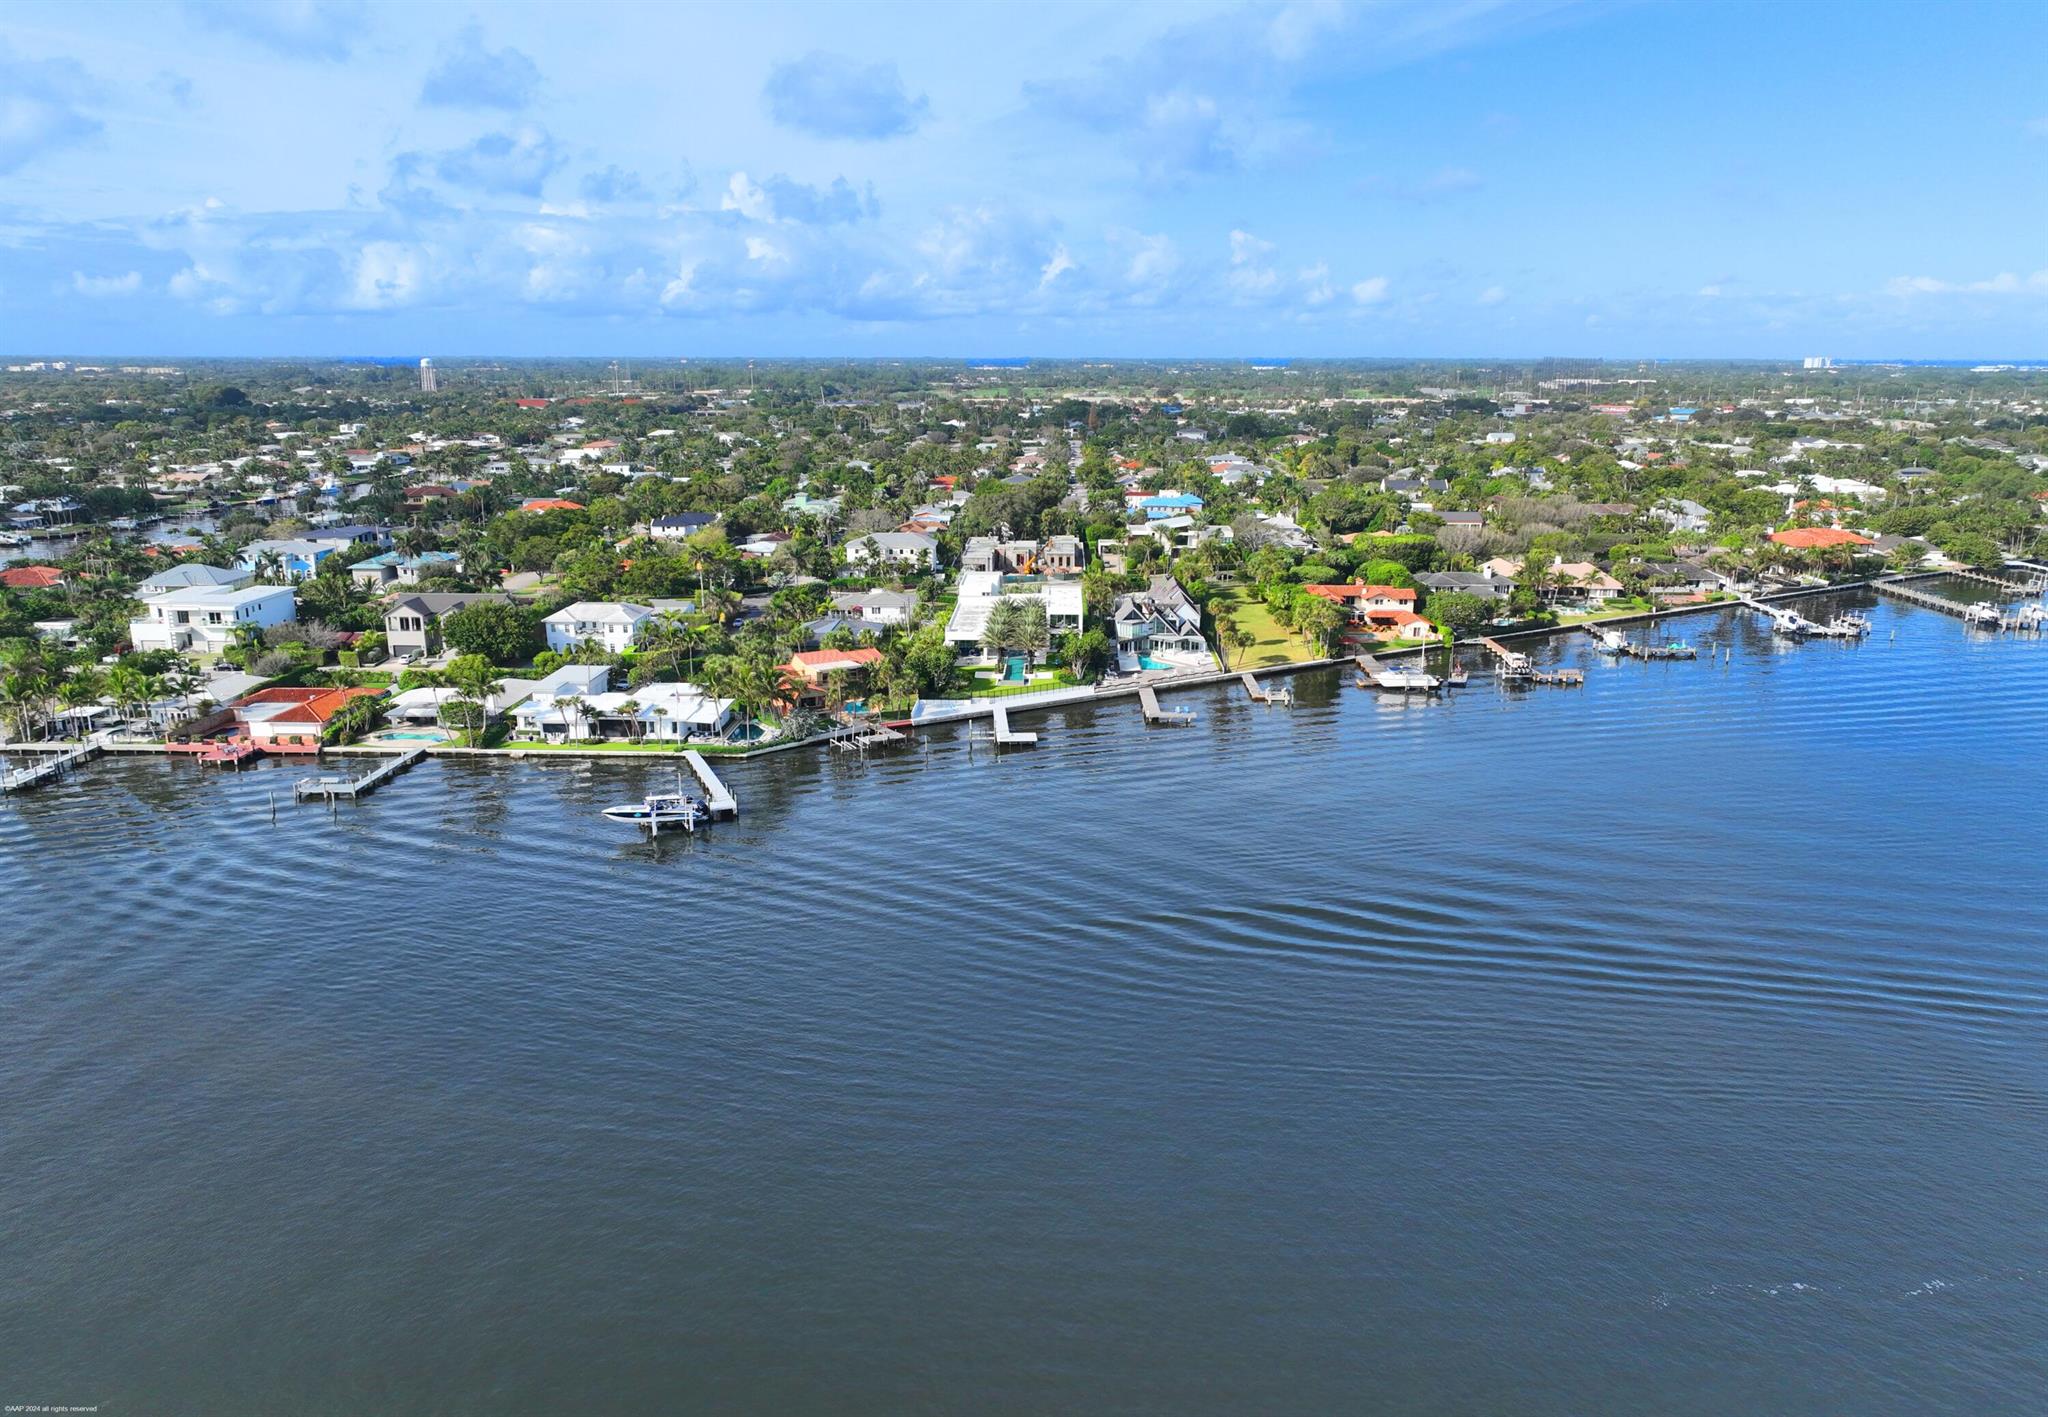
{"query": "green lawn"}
pixel 1275 645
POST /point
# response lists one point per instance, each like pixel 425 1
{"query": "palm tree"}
pixel 476 679
pixel 630 711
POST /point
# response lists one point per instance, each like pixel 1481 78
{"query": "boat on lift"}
pixel 661 810
pixel 1983 614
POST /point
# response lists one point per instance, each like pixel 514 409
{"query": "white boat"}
pixel 1850 626
pixel 14 538
pixel 662 809
pixel 1983 613
pixel 1407 681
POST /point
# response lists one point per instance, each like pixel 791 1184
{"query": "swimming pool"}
pixel 1014 670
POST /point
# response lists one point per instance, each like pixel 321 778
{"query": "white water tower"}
pixel 429 382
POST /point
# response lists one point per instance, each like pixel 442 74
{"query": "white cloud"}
pixel 106 287
pixel 1316 282
pixel 1370 291
pixel 1245 247
pixel 1058 266
pixel 1493 295
pixel 742 195
pixel 1711 291
pixel 386 274
pixel 2004 283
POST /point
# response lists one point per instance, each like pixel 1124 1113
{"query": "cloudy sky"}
pixel 1456 177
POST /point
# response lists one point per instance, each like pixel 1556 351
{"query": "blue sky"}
pixel 1391 179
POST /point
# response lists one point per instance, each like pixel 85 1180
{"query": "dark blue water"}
pixel 1674 1045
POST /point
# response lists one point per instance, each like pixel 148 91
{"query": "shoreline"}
pixel 950 711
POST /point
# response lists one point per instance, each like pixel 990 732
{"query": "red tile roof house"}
pixel 31 577
pixel 550 504
pixel 1814 538
pixel 1362 600
pixel 808 668
pixel 291 720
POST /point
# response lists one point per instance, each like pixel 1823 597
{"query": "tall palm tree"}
pixel 476 679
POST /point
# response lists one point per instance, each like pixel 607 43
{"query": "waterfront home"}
pixel 659 712
pixel 426 706
pixel 910 550
pixel 810 671
pixel 1569 584
pixel 1483 583
pixel 980 590
pixel 397 568
pixel 172 578
pixel 886 607
pixel 1159 627
pixel 204 619
pixel 614 624
pixel 292 720
pixel 412 624
pixel 1359 600
pixel 31 577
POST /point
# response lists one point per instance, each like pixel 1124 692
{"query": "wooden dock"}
pixel 333 788
pixel 1283 697
pixel 855 736
pixel 1149 702
pixel 716 796
pixel 48 770
pixel 229 753
pixel 1513 663
pixel 1974 611
pixel 2015 589
pixel 1005 735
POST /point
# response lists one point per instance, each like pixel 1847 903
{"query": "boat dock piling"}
pixel 334 788
pixel 1149 702
pixel 48 770
pixel 721 801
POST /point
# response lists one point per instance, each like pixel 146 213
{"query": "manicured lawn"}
pixel 1275 645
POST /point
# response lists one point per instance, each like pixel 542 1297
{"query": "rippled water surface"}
pixel 1672 1045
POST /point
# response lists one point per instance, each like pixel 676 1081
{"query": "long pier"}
pixel 1149 702
pixel 1977 612
pixel 2015 589
pixel 330 788
pixel 48 770
pixel 716 796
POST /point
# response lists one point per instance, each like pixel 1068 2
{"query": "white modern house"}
pixel 614 624
pixel 911 549
pixel 670 713
pixel 980 590
pixel 203 619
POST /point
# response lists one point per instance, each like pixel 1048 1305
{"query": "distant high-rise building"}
pixel 428 380
pixel 1819 361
